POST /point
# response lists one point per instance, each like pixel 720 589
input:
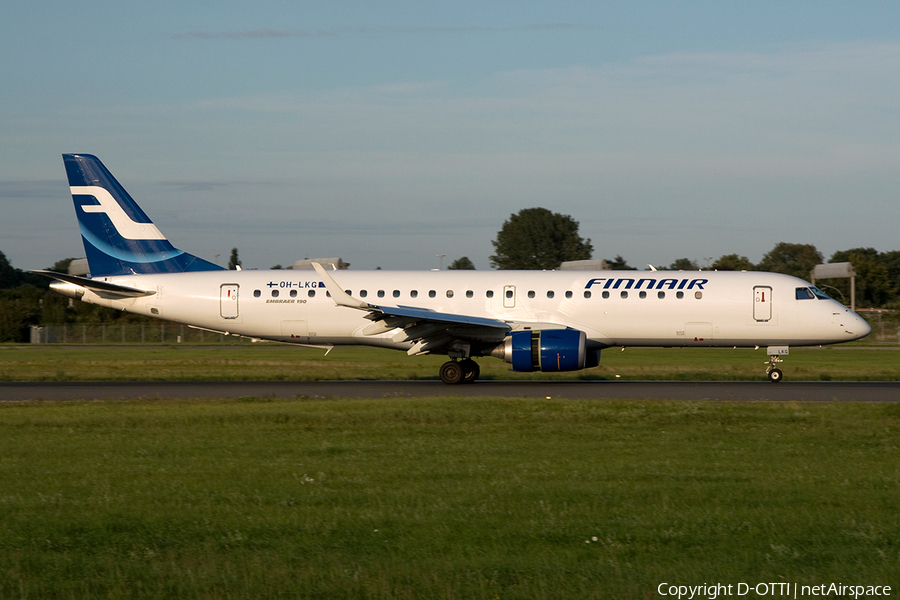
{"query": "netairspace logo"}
pixel 764 590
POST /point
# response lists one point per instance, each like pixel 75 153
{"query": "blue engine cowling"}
pixel 549 350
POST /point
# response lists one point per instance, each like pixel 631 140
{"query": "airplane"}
pixel 546 321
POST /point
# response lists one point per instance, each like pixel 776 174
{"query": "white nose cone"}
pixel 856 327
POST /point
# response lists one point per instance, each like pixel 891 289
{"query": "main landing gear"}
pixel 463 371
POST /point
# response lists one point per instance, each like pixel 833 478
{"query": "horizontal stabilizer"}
pixel 97 286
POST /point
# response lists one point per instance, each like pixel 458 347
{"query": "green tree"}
pixel 20 301
pixel 461 264
pixel 619 264
pixel 874 285
pixel 234 262
pixel 891 260
pixel 537 238
pixel 55 308
pixel 9 276
pixel 684 264
pixel 62 265
pixel 20 307
pixel 732 262
pixel 791 259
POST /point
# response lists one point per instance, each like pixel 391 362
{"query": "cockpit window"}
pixel 804 294
pixel 819 293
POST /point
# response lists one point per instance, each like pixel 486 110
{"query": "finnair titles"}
pixel 533 320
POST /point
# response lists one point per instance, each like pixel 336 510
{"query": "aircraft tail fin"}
pixel 119 239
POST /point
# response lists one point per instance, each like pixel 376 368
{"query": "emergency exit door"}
pixel 509 296
pixel 228 301
pixel 762 303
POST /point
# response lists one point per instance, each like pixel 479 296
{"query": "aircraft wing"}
pixel 428 329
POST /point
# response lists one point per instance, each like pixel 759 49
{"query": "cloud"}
pixel 791 141
pixel 367 31
pixel 795 111
pixel 20 190
pixel 196 186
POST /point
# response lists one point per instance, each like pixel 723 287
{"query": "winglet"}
pixel 340 297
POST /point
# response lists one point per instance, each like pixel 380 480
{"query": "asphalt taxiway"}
pixel 801 391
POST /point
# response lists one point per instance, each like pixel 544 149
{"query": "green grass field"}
pixel 282 362
pixel 442 498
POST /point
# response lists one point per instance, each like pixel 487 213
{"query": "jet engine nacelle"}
pixel 547 350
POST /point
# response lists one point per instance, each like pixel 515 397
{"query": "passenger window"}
pixel 489 294
pixel 803 293
pixel 698 295
pixel 587 294
pixel 605 295
pixel 396 293
pixel 509 294
pixel 660 295
pixel 550 294
pixel 531 293
pixel 679 295
pixel 469 294
pixel 414 294
pixel 643 295
pixel 624 294
pixel 380 293
pixel 312 293
pixel 449 293
pixel 569 294
pixel 293 293
pixel 274 293
pixel 432 293
pixel 257 293
pixel 363 293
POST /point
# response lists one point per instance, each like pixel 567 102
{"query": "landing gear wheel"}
pixel 775 375
pixel 471 369
pixel 452 372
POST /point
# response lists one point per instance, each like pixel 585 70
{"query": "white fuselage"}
pixel 613 308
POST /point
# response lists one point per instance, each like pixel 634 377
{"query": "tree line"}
pixel 534 238
pixel 26 300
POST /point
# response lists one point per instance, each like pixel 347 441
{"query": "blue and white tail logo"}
pixel 119 239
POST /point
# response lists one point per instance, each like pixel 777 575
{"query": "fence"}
pixel 885 328
pixel 161 332
pixel 885 324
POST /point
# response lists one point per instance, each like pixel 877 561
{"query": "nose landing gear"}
pixel 775 375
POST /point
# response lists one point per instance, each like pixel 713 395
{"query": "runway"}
pixel 805 391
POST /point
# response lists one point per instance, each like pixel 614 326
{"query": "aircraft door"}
pixel 228 301
pixel 509 296
pixel 762 303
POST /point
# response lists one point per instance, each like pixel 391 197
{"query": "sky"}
pixel 391 133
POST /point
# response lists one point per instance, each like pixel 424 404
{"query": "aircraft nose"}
pixel 857 327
